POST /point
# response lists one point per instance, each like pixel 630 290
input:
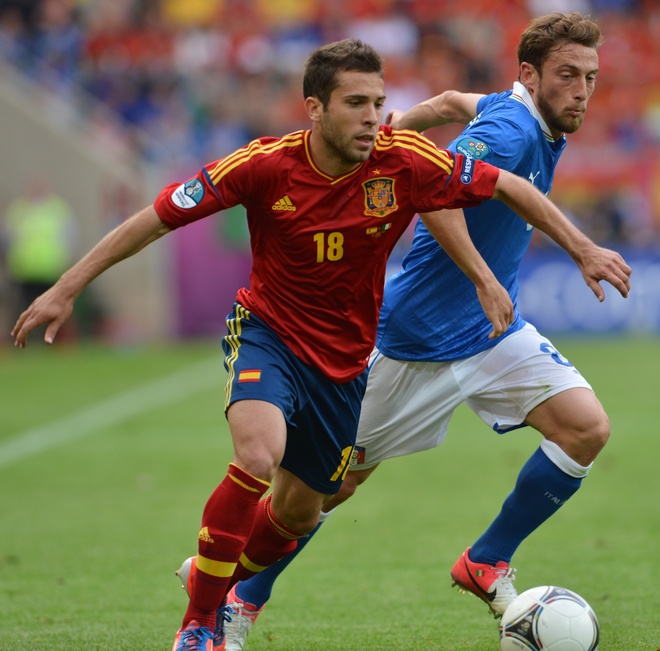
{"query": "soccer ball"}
pixel 548 618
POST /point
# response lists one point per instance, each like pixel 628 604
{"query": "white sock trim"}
pixel 563 461
pixel 324 516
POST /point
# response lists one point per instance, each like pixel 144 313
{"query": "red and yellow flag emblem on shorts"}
pixel 250 375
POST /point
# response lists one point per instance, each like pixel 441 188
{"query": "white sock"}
pixel 563 461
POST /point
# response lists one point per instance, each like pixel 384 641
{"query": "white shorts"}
pixel 408 405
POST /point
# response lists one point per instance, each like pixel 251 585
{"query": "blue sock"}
pixel 256 590
pixel 541 489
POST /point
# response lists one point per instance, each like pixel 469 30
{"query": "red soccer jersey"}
pixel 320 244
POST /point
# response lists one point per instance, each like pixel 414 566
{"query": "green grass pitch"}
pixel 107 457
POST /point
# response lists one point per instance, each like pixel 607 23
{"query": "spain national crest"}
pixel 379 199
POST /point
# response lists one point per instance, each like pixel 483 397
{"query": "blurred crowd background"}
pixel 177 83
pixel 192 80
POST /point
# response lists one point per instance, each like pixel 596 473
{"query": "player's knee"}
pixel 297 511
pixel 594 435
pixel 257 462
pixel 584 442
pixel 304 525
pixel 601 433
pixel 299 521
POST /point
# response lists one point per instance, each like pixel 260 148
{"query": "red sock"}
pixel 227 522
pixel 270 541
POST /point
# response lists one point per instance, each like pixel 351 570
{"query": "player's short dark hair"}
pixel 324 64
pixel 547 33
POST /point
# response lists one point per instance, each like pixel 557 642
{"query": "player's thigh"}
pixel 505 383
pixel 260 392
pixel 576 409
pixel 575 421
pixel 406 408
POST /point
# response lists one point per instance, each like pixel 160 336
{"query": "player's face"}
pixel 345 132
pixel 563 88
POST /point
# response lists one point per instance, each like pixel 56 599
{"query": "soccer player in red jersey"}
pixel 325 207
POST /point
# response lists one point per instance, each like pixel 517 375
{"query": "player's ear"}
pixel 314 108
pixel 528 74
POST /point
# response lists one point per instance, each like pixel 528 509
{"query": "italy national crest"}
pixel 380 199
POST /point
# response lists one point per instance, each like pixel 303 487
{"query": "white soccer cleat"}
pixel 243 617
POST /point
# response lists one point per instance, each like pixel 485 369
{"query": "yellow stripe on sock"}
pixel 215 568
pixel 242 484
pixel 285 533
pixel 249 565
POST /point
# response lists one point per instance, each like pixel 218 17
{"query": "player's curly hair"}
pixel 546 33
pixel 324 64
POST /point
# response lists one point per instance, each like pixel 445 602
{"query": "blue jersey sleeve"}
pixel 487 100
pixel 495 136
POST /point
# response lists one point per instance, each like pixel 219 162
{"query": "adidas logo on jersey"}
pixel 284 204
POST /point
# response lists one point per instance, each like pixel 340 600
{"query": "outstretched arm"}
pixel 596 263
pixel 450 230
pixel 54 306
pixel 449 106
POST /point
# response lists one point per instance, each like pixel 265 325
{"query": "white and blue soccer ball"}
pixel 547 618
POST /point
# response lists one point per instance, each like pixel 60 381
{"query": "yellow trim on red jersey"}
pixel 320 172
pixel 244 154
pixel 420 145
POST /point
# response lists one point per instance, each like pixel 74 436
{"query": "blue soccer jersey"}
pixel 431 311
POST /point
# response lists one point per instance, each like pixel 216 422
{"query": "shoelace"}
pixel 219 633
pixel 246 616
pixel 506 573
pixel 192 637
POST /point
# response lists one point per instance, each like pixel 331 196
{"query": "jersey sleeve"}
pixel 179 204
pixel 469 182
pixel 487 100
pixel 218 185
pixel 499 142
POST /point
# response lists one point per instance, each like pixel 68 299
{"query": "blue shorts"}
pixel 321 415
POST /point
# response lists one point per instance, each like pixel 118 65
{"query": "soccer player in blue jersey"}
pixel 433 349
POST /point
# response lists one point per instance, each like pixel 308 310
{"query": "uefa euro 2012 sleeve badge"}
pixel 379 197
pixel 474 148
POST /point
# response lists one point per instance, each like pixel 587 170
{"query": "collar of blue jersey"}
pixel 521 94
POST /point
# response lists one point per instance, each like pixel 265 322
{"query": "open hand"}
pixel 51 308
pixel 605 264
